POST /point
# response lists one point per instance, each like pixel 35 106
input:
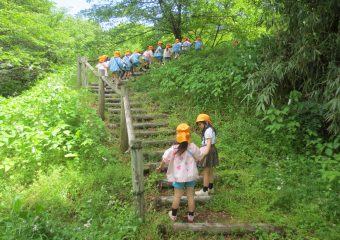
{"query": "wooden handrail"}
pixel 104 79
pixel 127 137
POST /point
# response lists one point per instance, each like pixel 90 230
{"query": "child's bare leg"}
pixel 177 198
pixel 191 200
pixel 206 176
pixel 211 175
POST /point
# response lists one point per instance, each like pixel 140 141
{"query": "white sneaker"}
pixel 173 218
pixel 190 218
pixel 201 193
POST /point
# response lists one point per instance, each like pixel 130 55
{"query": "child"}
pixel 186 44
pixel 148 56
pixel 176 48
pixel 209 151
pixel 182 169
pixel 167 52
pixel 116 66
pixel 198 44
pixel 102 64
pixel 127 64
pixel 159 52
pixel 135 60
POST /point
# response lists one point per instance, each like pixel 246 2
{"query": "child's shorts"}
pixel 184 184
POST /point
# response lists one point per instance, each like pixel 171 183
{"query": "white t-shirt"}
pixel 209 133
pixel 167 52
pixel 102 66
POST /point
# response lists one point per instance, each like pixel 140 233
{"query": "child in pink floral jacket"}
pixel 182 169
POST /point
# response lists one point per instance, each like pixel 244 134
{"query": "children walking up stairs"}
pixel 156 134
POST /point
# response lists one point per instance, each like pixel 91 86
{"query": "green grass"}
pixel 60 174
pixel 263 177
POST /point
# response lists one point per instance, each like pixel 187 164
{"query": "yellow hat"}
pixel 102 58
pixel 127 52
pixel 183 133
pixel 160 42
pixel 168 45
pixel 177 40
pixel 116 54
pixel 203 118
pixel 150 47
pixel 137 50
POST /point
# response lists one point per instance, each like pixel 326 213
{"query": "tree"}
pixel 166 15
pixel 34 36
pixel 195 18
pixel 301 55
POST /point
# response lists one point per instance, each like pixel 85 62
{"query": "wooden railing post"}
pixel 124 139
pixel 79 66
pixel 101 95
pixel 84 72
pixel 137 176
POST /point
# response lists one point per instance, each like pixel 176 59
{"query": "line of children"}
pixel 182 159
pixel 122 68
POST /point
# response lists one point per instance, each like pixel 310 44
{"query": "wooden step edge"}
pixel 154 133
pixel 165 184
pixel 235 228
pixel 160 141
pixel 169 199
pixel 149 125
pixel 151 116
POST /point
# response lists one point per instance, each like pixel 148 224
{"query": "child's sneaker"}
pixel 173 218
pixel 190 218
pixel 201 193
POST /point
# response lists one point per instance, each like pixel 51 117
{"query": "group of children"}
pixel 182 160
pixel 122 67
pixel 183 157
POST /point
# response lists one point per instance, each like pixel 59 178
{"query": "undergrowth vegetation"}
pixel 60 178
pixel 271 170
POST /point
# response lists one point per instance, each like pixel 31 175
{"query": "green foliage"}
pixel 34 37
pixel 44 123
pixel 58 177
pixel 206 78
pixel 301 55
pixel 279 170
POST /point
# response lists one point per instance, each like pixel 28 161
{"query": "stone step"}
pixel 145 125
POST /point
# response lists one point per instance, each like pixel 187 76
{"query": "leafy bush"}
pixel 209 77
pixel 58 177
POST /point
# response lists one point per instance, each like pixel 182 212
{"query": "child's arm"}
pixel 167 157
pixel 208 147
pixel 161 166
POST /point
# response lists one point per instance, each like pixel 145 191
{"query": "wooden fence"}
pixel 128 140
